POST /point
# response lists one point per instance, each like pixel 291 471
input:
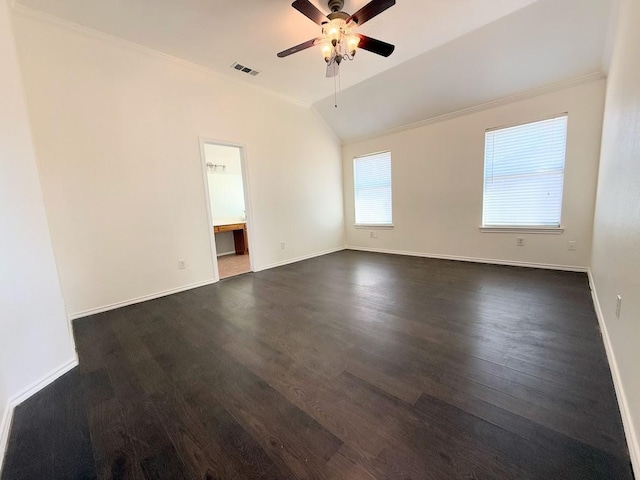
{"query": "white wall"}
pixel 226 191
pixel 437 174
pixel 116 129
pixel 616 235
pixel 34 334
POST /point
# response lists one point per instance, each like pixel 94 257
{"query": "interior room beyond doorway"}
pixel 228 210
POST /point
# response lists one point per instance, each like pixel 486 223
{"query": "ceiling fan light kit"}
pixel 339 40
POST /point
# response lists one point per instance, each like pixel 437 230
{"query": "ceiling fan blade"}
pixel 298 48
pixel 370 10
pixel 375 46
pixel 310 11
pixel 333 69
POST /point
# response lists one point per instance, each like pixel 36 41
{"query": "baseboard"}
pixel 224 254
pixel 13 402
pixel 144 298
pixel 153 296
pixel 629 430
pixel 300 259
pixel 5 428
pixel 511 263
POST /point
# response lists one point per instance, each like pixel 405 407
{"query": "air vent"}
pixel 242 68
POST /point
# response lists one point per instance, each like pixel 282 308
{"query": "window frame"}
pixel 372 226
pixel 535 229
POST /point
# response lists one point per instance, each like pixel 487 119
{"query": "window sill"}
pixel 536 230
pixel 373 227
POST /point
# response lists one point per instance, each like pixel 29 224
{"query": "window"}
pixel 524 174
pixel 372 189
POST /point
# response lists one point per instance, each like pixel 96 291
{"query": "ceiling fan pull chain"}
pixel 335 93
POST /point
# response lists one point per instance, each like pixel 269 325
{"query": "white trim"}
pixel 5 428
pixel 38 385
pixel 144 298
pixel 625 413
pixel 553 87
pixel 207 195
pixel 372 154
pixel 224 254
pixel 373 226
pixel 64 23
pixel 527 122
pixel 536 230
pixel 299 259
pixel 512 263
pixel 13 402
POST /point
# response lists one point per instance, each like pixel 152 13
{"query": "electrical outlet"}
pixel 182 264
pixel 282 245
pixel 373 234
pixel 520 242
pixel 618 305
pixel 572 245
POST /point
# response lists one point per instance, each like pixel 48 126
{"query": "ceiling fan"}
pixel 339 40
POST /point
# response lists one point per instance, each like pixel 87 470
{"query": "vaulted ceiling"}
pixel 450 54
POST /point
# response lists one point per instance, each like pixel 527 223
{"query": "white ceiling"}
pixel 450 54
pixel 547 42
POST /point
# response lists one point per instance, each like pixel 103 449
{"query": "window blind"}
pixel 524 174
pixel 372 189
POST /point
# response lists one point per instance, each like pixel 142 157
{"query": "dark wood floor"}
pixel 348 366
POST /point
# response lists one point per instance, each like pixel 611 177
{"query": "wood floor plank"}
pixel 31 442
pixel 72 448
pixel 292 438
pixel 340 467
pixel 546 453
pixel 235 444
pixel 307 390
pixel 448 452
pixel 352 365
pixel 153 447
pixel 113 452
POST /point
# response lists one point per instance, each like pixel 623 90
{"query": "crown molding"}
pixel 536 92
pixel 63 23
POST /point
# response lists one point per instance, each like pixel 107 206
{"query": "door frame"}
pixel 247 200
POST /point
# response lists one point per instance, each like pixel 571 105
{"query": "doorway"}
pixel 224 168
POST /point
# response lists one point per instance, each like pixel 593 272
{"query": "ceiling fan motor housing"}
pixel 336 5
pixel 338 15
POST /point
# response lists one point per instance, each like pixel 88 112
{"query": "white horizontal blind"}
pixel 372 189
pixel 524 174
